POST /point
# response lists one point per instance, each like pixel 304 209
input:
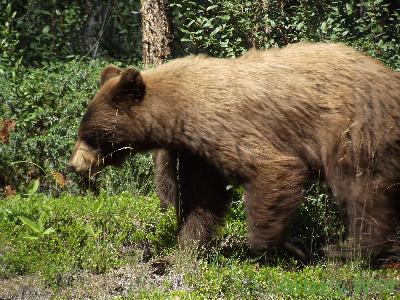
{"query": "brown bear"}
pixel 270 121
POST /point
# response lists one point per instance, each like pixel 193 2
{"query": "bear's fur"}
pixel 271 121
pixel 166 177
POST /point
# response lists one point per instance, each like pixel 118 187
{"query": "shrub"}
pixel 230 27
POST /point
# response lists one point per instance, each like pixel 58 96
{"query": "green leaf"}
pixel 46 29
pixel 215 31
pixel 97 205
pixel 31 224
pixel 89 229
pixel 49 231
pixel 225 18
pixel 42 220
pixel 211 7
pixel 349 8
pixel 34 188
pixel 30 237
pixel 323 27
pixel 300 25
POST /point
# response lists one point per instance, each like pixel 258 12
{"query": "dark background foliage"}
pixel 64 30
pixel 51 53
pixel 229 28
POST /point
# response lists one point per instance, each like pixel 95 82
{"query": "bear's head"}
pixel 107 129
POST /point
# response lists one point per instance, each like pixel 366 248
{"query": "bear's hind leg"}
pixel 270 200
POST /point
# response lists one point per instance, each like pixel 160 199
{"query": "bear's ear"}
pixel 109 72
pixel 131 86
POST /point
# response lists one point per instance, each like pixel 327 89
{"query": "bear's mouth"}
pixel 85 160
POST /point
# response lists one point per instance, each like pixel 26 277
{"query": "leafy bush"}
pixel 59 30
pixel 46 29
pixel 47 105
pixel 230 27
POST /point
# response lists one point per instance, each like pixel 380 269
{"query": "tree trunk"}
pixel 157 31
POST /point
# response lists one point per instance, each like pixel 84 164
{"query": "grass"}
pixel 57 236
pixel 110 247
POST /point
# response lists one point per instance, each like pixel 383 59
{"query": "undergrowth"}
pixel 123 246
pixel 55 237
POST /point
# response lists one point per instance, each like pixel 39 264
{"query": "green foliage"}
pixel 122 39
pixel 319 221
pixel 47 104
pixel 46 29
pixel 50 30
pixel 10 53
pixel 236 279
pixel 59 30
pixel 230 27
pixel 54 237
pixel 38 230
pixel 220 28
pixel 232 279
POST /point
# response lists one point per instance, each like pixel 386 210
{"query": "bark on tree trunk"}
pixel 157 31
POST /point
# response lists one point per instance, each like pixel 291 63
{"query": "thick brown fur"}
pixel 166 177
pixel 269 121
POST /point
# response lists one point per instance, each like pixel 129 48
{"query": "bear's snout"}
pixel 84 159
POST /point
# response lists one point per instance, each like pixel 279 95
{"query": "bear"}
pixel 271 121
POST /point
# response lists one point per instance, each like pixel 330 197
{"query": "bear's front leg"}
pixel 165 165
pixel 202 201
pixel 270 200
